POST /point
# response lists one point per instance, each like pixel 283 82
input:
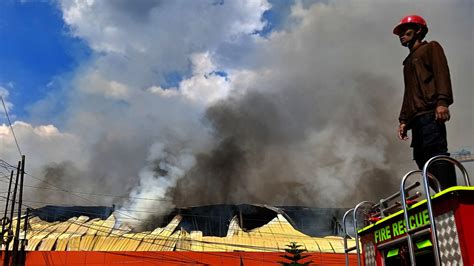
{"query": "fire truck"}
pixel 405 229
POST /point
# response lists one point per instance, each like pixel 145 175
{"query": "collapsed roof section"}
pixel 214 220
pixel 52 213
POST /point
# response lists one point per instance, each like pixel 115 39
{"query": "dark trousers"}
pixel 429 140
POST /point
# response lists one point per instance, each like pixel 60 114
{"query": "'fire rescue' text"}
pixel 398 228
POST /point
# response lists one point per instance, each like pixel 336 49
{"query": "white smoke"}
pixel 164 168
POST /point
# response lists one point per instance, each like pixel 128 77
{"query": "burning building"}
pixel 212 235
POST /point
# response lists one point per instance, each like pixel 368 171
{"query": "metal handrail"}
pixel 427 165
pixel 356 227
pixel 344 228
pixel 403 191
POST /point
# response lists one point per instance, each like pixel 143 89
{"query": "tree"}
pixel 294 255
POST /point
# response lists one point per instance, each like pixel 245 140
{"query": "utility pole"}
pixel 5 219
pixel 24 241
pixel 6 260
pixel 16 240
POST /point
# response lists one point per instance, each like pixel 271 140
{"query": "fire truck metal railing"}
pixel 346 235
pixel 377 209
pixel 403 193
pixel 426 186
pixel 380 209
pixel 355 212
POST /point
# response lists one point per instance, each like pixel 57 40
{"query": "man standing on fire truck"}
pixel 427 97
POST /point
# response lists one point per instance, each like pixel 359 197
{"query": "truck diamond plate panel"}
pixel 369 254
pixel 448 240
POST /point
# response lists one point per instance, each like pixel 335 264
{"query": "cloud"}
pixel 140 43
pixel 42 144
pixel 205 85
pixel 93 83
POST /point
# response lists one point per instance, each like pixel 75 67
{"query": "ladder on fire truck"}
pixel 377 211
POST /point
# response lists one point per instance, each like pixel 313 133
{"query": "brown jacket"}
pixel 427 81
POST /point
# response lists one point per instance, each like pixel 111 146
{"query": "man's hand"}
pixel 402 131
pixel 442 113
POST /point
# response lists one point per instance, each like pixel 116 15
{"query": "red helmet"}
pixel 411 19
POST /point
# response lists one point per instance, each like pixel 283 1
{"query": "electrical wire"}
pixel 11 127
pixel 56 188
pixel 78 196
pixel 132 210
pixel 128 216
pixel 151 212
pixel 183 215
pixel 79 192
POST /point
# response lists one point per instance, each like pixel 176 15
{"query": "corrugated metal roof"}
pixel 80 233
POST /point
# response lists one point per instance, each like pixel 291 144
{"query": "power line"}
pixel 54 187
pixel 11 127
pixel 123 213
pixel 130 217
pixel 86 199
pixel 78 196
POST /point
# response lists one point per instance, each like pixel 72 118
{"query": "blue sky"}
pixel 36 48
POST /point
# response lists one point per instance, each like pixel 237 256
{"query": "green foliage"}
pixel 294 254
